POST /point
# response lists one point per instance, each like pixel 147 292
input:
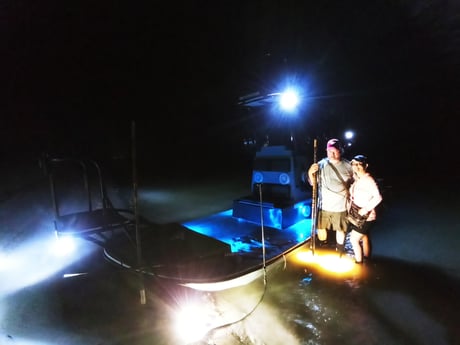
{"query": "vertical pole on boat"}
pixel 263 232
pixel 314 200
pixel 136 216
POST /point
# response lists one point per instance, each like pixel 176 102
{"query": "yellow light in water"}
pixel 327 261
pixel 334 263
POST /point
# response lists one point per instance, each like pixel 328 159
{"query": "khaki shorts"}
pixel 332 221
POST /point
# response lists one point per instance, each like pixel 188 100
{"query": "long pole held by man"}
pixel 314 200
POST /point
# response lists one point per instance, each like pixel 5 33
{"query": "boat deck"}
pixel 211 249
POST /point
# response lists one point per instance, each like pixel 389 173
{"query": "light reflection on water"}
pixel 383 301
pixel 380 302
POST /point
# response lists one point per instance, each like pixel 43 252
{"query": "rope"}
pixel 264 268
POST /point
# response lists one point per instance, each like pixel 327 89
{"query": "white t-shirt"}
pixel 365 194
pixel 332 192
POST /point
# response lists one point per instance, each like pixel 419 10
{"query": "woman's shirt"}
pixel 365 193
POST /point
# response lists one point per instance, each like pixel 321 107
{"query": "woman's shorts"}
pixel 362 230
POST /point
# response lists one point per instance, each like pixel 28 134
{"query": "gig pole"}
pixel 314 200
pixel 136 215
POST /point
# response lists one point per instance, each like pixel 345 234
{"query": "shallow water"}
pixel 380 302
pixel 402 296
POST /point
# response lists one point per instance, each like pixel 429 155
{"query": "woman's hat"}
pixel 360 159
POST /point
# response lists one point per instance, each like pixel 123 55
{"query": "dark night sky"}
pixel 76 74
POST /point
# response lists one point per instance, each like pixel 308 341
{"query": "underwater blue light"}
pixel 302 229
pixel 275 216
pixel 227 213
pixel 245 236
pixel 305 210
pixel 202 229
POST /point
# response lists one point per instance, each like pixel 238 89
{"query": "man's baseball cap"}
pixel 334 143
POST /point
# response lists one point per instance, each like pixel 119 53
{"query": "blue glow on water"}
pixel 276 217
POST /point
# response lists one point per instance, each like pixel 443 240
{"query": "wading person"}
pixel 334 176
pixel 364 197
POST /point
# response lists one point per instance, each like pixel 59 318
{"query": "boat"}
pixel 226 249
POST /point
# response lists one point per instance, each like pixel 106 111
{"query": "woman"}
pixel 364 197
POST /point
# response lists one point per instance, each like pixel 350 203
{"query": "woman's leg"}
pixel 355 238
pixel 365 240
pixel 365 244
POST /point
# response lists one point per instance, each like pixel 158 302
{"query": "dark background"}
pixel 77 75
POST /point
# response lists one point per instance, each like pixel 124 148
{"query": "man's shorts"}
pixel 332 221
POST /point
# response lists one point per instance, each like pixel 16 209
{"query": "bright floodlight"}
pixel 193 321
pixel 289 100
pixel 349 135
pixel 64 245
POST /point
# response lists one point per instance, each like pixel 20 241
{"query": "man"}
pixel 334 176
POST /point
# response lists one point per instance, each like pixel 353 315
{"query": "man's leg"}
pixel 340 225
pixel 321 230
pixel 340 239
pixel 322 234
